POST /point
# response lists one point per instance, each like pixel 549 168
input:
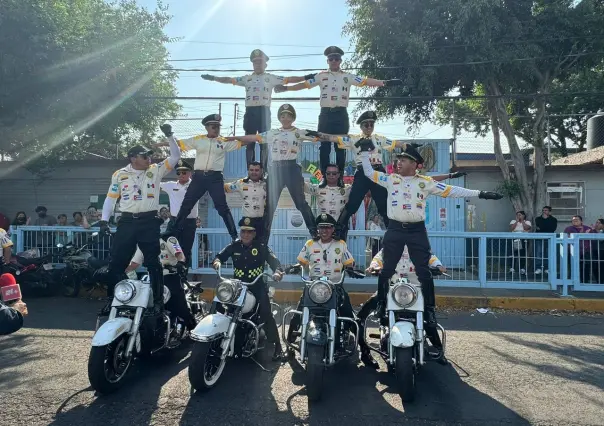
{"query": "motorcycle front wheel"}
pixel 69 283
pixel 405 374
pixel 108 365
pixel 315 367
pixel 206 365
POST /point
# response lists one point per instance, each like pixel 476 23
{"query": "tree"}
pixel 480 47
pixel 76 76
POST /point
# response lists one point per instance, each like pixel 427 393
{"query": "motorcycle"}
pixel 238 332
pixel 129 332
pixel 34 272
pixel 80 266
pixel 402 335
pixel 325 337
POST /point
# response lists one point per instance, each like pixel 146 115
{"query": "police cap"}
pixel 258 54
pixel 367 116
pixel 286 108
pixel 411 152
pixel 325 219
pixel 139 150
pixel 211 119
pixel 247 224
pixel 183 165
pixel 333 51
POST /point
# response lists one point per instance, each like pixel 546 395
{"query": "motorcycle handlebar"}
pixel 221 278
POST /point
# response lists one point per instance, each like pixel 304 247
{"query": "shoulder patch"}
pixel 309 242
pixel 173 240
pixel 424 177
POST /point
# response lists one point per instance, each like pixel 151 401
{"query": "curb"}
pixel 458 302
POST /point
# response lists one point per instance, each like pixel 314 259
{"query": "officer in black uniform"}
pixel 249 257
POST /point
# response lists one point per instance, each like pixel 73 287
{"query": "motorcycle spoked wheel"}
pixel 315 368
pixel 70 284
pixel 206 365
pixel 108 365
pixel 405 373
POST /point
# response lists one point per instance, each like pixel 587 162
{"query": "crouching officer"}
pixel 325 257
pixel 171 254
pixel 249 257
pixel 406 205
pixel 137 186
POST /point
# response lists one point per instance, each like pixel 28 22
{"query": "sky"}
pixel 233 28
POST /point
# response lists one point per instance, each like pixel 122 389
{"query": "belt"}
pixel 395 224
pixel 207 172
pixel 139 215
pixel 333 109
pixel 188 218
pixel 258 106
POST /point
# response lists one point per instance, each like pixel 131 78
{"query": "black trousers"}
pixel 333 121
pixel 144 232
pixel 202 182
pixel 260 292
pixel 258 223
pixel 178 303
pixel 257 119
pixel 287 174
pixel 186 237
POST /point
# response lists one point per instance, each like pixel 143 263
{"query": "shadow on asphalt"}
pixel 61 313
pixel 16 350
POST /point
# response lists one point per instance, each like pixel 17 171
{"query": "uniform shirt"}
pixel 209 151
pixel 407 194
pixel 335 87
pixel 330 199
pixel 404 266
pixel 284 143
pixel 248 261
pixel 253 194
pixel 176 193
pixel 382 143
pixel 326 259
pixel 259 87
pixel 5 242
pixel 167 255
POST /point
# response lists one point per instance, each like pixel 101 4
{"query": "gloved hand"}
pixel 104 228
pixel 181 268
pixel 208 77
pixel 310 76
pixel 488 195
pixel 354 274
pixel 277 276
pixel 365 144
pixel 457 175
pixel 216 265
pixel 166 129
pixel 313 133
pixel 393 82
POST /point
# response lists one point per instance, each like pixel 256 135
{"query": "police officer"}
pixel 258 90
pixel 325 257
pixel 209 163
pixel 284 170
pixel 171 254
pixel 249 257
pixel 176 193
pixel 252 190
pixel 335 93
pixel 137 187
pixel 407 193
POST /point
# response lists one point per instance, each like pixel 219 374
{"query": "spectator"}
pixel 44 239
pixel 203 241
pixel 80 220
pixel 61 237
pixel 520 225
pixel 376 242
pixel 577 227
pixel 62 220
pixel 92 215
pixel 597 252
pixel 545 224
pixel 7 244
pixel 43 218
pixel 164 214
pixel 21 219
pixel 4 222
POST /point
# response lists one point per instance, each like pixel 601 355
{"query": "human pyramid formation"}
pixel 400 198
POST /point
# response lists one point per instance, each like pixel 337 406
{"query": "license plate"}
pixel 47 266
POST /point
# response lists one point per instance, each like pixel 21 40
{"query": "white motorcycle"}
pixel 238 332
pixel 402 336
pixel 129 333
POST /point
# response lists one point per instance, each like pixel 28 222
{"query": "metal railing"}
pixel 481 260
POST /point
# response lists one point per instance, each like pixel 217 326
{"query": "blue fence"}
pixel 482 260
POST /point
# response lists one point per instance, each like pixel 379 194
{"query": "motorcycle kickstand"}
pixel 260 365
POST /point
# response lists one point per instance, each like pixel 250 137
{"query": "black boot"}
pixel 430 316
pixel 314 234
pixel 367 358
pixel 230 225
pixel 278 354
pixel 156 277
pixel 341 225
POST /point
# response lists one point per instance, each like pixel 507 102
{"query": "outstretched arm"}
pixel 247 139
pixel 224 80
pixel 374 175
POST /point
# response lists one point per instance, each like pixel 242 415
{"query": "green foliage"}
pixel 75 77
pixel 510 189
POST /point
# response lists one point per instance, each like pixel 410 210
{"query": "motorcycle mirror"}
pixel 59 245
pixel 95 234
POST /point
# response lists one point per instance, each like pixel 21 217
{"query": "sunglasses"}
pixel 334 59
pixel 367 125
pixel 181 173
pixel 332 173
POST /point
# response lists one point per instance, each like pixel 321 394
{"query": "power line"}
pixel 235 57
pixel 245 44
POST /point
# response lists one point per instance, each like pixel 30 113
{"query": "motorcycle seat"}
pixel 24 261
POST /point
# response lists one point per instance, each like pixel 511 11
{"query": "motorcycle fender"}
pixel 210 327
pixel 315 336
pixel 111 330
pixel 402 335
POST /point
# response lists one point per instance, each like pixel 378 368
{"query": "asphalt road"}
pixel 508 369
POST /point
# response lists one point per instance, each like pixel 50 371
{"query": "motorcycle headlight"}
pixel 124 291
pixel 319 292
pixel 404 295
pixel 226 291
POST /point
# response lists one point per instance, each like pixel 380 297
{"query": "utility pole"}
pixel 220 109
pixel 235 118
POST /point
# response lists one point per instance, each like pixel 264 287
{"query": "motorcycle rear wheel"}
pixel 315 367
pixel 70 285
pixel 405 374
pixel 107 365
pixel 206 365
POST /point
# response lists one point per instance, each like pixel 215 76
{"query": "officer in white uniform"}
pixel 335 93
pixel 171 254
pixel 209 164
pixel 137 187
pixel 176 193
pixel 407 193
pixel 404 267
pixel 258 92
pixel 252 190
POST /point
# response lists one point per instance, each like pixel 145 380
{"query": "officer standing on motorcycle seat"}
pixel 171 254
pixel 249 257
pixel 406 204
pixel 137 187
pixel 404 269
pixel 325 257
